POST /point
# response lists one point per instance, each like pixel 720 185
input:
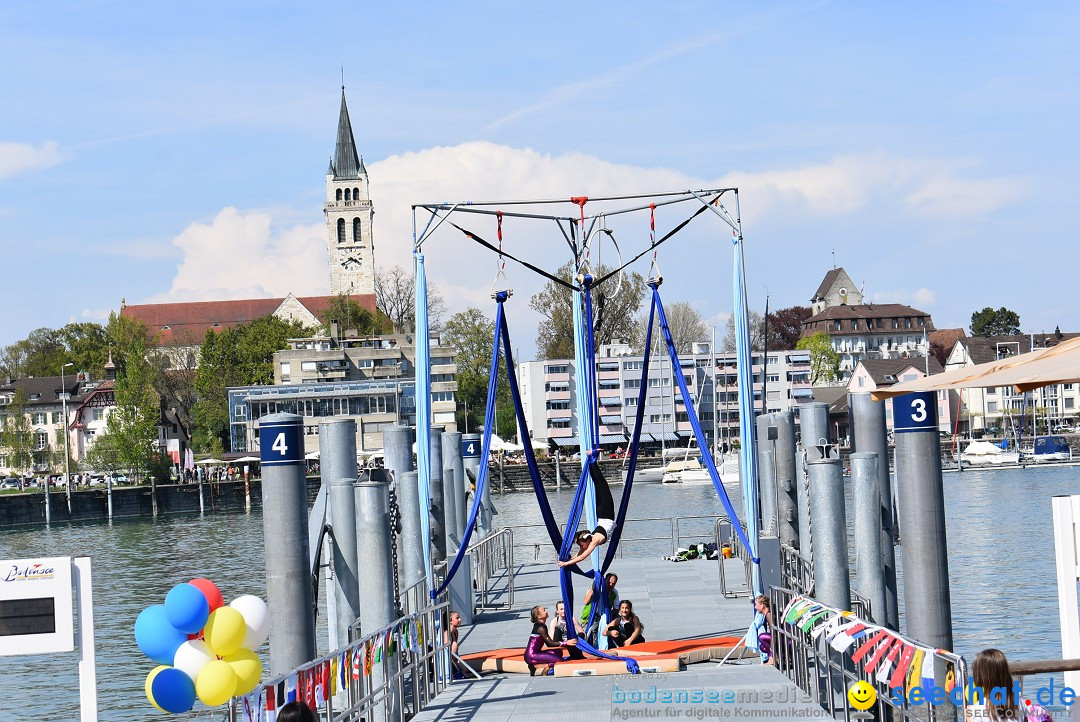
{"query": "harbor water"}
pixel 1001 566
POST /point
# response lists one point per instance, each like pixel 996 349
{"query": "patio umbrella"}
pixel 209 461
pixel 246 459
pixel 1055 365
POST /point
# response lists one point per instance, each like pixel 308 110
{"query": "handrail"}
pixel 491 555
pixel 737 551
pixel 1022 668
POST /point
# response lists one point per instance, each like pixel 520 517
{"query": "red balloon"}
pixel 210 591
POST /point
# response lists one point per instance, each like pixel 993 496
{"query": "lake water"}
pixel 1001 564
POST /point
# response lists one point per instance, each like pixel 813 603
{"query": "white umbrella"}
pixel 205 462
pixel 246 459
pixel 311 455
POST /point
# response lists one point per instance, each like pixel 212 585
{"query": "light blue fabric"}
pixel 423 413
pixel 757 627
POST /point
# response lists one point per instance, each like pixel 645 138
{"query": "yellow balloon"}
pixel 248 668
pixel 216 683
pixel 150 683
pixel 225 631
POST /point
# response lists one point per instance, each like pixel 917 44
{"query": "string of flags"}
pixel 884 656
pixel 314 685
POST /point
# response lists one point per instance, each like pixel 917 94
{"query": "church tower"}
pixel 349 215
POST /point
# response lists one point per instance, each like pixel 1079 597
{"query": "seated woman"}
pixel 626 628
pixel 605 519
pixel 996 694
pixel 557 630
pixel 540 661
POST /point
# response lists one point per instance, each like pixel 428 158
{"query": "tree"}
pixel 785 327
pixel 989 322
pixel 133 423
pixel 685 323
pixel 757 333
pixel 351 315
pixel 395 297
pixel 615 304
pixel 471 332
pixel 17 434
pixel 824 361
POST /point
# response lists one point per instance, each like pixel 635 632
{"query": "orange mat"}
pixel 655 656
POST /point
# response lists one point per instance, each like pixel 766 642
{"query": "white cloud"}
pixel 94 314
pixel 240 255
pixel 16 158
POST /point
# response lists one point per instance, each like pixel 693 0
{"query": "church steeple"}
pixel 346 163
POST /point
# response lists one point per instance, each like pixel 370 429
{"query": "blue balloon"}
pixel 173 691
pixel 186 608
pixel 157 639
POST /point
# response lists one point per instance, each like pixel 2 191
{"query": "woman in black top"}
pixel 626 628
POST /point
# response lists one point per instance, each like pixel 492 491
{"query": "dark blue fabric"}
pixel 688 402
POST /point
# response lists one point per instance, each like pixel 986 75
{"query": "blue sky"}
pixel 177 151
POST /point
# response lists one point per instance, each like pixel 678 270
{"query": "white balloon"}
pixel 192 656
pixel 256 617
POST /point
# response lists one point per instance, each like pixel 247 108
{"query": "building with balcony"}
pixel 1004 411
pixel 549 394
pixel 873 374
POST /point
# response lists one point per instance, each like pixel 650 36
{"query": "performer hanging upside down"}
pixel 538 658
pixel 605 519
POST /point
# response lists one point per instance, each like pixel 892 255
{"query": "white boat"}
pixel 983 453
pixel 683 470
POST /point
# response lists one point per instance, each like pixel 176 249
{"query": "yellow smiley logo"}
pixel 862 695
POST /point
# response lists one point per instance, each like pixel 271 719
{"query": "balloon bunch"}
pixel 203 647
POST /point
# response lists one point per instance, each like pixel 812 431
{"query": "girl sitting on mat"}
pixel 626 628
pixel 540 661
pixel 605 519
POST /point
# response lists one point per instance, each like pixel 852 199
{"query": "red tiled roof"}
pixel 180 324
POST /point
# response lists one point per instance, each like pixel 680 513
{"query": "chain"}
pixel 395 529
pixel 809 557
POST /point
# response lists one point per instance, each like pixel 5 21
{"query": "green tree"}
pixel 17 434
pixel 351 315
pixel 471 332
pixel 824 361
pixel 134 420
pixel 989 322
pixel 616 302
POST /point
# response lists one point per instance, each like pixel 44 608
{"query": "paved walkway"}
pixel 674 601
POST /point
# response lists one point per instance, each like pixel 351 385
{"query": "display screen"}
pixel 27 616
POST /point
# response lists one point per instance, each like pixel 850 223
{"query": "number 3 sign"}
pixel 915 412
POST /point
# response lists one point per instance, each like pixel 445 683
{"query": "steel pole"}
pixel 832 581
pixel 337 465
pixel 438 500
pixel 377 603
pixel 870 435
pixel 460 589
pixel 869 569
pixel 920 491
pixel 814 425
pixel 289 593
pixel 787 504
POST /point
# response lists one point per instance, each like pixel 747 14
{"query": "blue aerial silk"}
pixel 423 414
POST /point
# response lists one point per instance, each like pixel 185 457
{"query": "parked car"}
pixel 11 484
pixel 1063 429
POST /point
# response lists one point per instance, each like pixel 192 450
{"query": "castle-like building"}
pixel 349 215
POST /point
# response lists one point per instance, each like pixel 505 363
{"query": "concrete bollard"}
pixel 870 435
pixel 866 492
pixel 453 492
pixel 832 581
pixel 787 505
pixel 410 543
pixel 438 502
pixel 289 594
pixel 377 603
pixel 814 426
pixel 927 600
pixel 470 458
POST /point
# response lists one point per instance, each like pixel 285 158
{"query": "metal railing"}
pixel 390 674
pixel 493 571
pixel 738 551
pixel 826 674
pixel 796 572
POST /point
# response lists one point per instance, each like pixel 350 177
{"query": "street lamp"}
pixel 67 474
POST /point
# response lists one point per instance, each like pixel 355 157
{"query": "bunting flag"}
pixel 884 672
pixel 357 660
pixel 914 675
pixel 829 627
pixel 928 670
pixel 842 641
pixel 290 688
pixel 809 620
pixel 419 635
pixel 271 704
pixel 326 676
pixel 309 688
pixel 902 668
pixel 369 657
pixel 334 681
pixel 252 707
pixel 390 641
pixel 950 675
pixel 880 652
pixel 799 609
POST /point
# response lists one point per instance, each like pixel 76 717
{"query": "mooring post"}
pixel 410 543
pixel 470 456
pixel 289 593
pixel 461 596
pixel 814 425
pixel 870 434
pixel 787 504
pixel 337 464
pixel 438 502
pixel 869 570
pixel 832 582
pixel 377 603
pixel 766 434
pixel 921 497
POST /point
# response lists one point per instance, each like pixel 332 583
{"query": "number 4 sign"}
pixel 281 442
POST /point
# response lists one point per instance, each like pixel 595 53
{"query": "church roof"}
pixel 827 283
pixel 181 324
pixel 346 160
